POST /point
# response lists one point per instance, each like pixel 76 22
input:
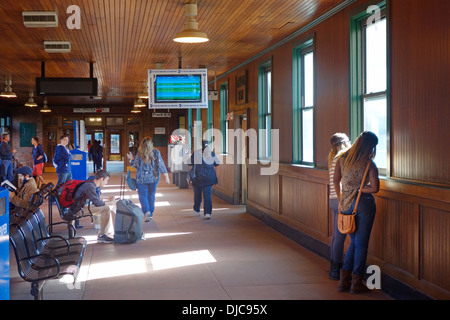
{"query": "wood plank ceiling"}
pixel 125 38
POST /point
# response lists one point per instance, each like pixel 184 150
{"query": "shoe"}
pixel 357 285
pixel 197 214
pixel 344 280
pixel 207 216
pixel 105 239
pixel 148 216
pixel 334 271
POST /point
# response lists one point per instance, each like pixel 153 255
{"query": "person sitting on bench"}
pixel 88 190
pixel 21 197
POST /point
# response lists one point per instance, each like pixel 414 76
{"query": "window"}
pixel 265 110
pixel 369 102
pixel 209 121
pixel 303 107
pixel 223 116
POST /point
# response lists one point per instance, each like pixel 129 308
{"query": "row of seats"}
pixel 39 255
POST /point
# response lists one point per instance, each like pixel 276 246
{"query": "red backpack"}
pixel 66 191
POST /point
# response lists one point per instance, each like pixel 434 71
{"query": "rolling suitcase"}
pixel 129 217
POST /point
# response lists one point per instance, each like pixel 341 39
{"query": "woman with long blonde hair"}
pixel 149 165
pixel 349 172
pixel 339 142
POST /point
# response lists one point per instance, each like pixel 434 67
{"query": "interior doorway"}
pixel 241 158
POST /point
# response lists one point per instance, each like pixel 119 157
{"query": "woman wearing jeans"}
pixel 149 165
pixel 203 162
pixel 339 142
pixel 349 172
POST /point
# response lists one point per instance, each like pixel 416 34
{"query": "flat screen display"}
pixel 178 88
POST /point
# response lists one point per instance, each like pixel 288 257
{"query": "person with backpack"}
pixel 87 190
pixel 203 162
pixel 149 165
pixel 61 161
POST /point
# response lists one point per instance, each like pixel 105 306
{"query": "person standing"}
pixel 38 161
pixel 61 161
pixel 349 171
pixel 149 165
pixel 6 156
pixel 339 142
pixel 204 162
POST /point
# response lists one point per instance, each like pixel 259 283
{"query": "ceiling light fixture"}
pixel 135 110
pixel 45 109
pixel 8 93
pixel 139 104
pixel 31 102
pixel 190 32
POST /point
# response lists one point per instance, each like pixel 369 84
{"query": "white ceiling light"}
pixel 190 32
pixel 40 19
pixel 45 109
pixel 139 104
pixel 31 102
pixel 8 93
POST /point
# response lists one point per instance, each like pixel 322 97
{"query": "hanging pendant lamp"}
pixel 190 32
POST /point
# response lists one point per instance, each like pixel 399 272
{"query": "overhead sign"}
pixel 161 115
pixel 90 110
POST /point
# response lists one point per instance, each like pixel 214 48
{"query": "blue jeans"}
pixel 146 194
pixel 7 170
pixel 355 258
pixel 338 239
pixel 63 177
pixel 207 199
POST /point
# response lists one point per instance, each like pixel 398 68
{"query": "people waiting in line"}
pixel 27 187
pixel 98 207
pixel 339 142
pixel 61 161
pixel 149 166
pixel 6 156
pixel 38 161
pixel 203 162
pixel 349 172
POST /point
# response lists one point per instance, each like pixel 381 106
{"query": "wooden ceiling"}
pixel 125 38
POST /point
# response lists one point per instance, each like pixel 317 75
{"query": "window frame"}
pixel 224 104
pixel 301 48
pixel 265 110
pixel 358 75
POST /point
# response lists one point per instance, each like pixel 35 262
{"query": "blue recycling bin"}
pixel 79 165
pixel 4 244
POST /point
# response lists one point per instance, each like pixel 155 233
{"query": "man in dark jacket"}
pixel 98 207
pixel 204 162
pixel 61 161
pixel 6 156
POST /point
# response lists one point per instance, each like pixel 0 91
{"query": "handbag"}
pixel 131 181
pixel 346 222
pixel 191 175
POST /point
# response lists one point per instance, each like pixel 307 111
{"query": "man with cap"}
pixel 27 187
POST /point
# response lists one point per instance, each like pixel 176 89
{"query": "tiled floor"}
pixel 232 256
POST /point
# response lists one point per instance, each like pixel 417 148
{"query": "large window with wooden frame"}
pixel 303 103
pixel 265 110
pixel 369 80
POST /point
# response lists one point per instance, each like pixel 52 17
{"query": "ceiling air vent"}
pixel 40 19
pixel 57 46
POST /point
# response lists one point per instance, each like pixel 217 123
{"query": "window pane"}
pixel 268 91
pixel 376 57
pixel 115 143
pixel 375 120
pixel 268 124
pixel 307 133
pixel 309 79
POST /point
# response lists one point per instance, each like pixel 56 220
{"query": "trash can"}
pixel 4 244
pixel 79 165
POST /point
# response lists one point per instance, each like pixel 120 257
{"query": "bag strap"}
pixel 360 189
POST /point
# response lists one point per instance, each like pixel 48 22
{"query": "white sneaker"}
pixel 197 214
pixel 207 216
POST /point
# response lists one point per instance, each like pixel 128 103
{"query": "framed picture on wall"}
pixel 241 88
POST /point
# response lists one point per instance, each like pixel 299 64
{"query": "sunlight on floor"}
pixel 182 259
